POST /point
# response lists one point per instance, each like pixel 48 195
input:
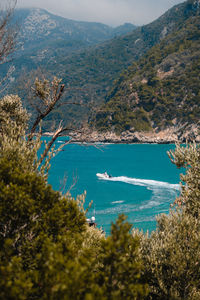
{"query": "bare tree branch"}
pixel 57 133
pixel 49 99
pixel 8 33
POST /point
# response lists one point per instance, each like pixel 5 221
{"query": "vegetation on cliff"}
pixel 89 73
pixel 161 89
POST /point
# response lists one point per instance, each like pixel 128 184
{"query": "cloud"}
pixel 112 12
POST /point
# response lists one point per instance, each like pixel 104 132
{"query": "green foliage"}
pixel 51 253
pixel 11 108
pixel 164 83
pixel 171 254
pixel 15 283
pixel 171 258
pixel 189 157
pixel 119 117
pixel 44 233
pixel 13 142
pixel 47 250
pixel 120 269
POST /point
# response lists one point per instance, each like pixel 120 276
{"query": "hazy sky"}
pixel 111 12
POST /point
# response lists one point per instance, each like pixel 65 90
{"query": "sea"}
pixel 143 184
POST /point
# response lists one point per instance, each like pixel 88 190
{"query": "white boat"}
pixel 103 175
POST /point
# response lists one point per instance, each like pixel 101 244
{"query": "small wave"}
pixel 144 219
pixel 113 210
pixel 144 182
pixel 128 208
pixel 149 204
pixel 118 202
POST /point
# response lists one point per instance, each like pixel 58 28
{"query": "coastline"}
pixel 170 135
pixel 167 136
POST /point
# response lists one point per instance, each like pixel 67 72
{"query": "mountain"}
pixel 43 36
pixel 161 90
pixel 89 73
pixel 123 29
pixel 38 25
pixel 44 39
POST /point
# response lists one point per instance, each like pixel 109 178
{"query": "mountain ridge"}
pixel 40 24
pixel 97 68
pixel 90 72
pixel 161 90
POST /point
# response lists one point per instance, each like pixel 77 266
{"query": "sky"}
pixel 110 12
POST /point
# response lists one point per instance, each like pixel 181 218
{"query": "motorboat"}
pixel 104 175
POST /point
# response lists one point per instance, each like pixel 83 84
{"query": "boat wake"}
pixel 149 184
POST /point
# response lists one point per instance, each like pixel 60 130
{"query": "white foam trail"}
pixel 118 202
pixel 144 219
pixel 149 204
pixel 144 182
pixel 128 208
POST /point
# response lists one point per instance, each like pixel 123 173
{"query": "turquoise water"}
pixel 144 181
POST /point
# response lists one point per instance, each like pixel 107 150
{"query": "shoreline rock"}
pixel 168 136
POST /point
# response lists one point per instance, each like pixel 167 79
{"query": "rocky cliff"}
pixel 170 135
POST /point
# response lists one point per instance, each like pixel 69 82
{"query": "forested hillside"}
pixel 162 88
pixel 89 74
pixel 41 30
pixel 44 41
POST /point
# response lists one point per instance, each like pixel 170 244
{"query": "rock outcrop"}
pixel 167 136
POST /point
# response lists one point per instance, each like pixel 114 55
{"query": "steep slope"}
pixel 162 88
pixel 90 72
pixel 98 67
pixel 39 26
pixel 44 39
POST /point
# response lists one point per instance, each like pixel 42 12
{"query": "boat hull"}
pixel 102 176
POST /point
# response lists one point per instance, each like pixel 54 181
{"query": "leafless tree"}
pixel 8 31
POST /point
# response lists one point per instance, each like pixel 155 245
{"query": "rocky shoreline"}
pixel 168 136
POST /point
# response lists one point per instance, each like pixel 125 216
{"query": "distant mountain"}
pixel 39 26
pixel 123 29
pixel 162 88
pixel 44 39
pixel 89 73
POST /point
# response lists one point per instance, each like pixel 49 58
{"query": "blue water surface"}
pixel 144 182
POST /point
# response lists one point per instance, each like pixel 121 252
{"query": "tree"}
pixel 120 267
pixel 46 247
pixel 43 252
pixel 189 158
pixel 171 254
pixel 7 32
pixel 171 258
pixel 49 95
pixel 41 233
